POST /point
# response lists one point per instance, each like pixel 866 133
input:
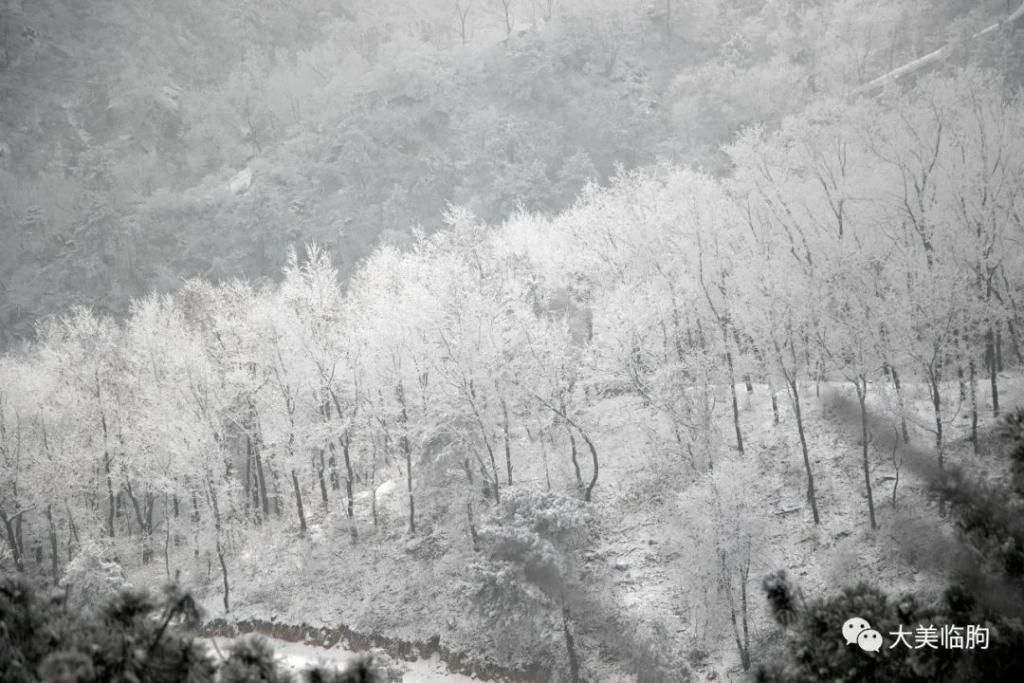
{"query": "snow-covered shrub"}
pixel 92 577
pixel 529 578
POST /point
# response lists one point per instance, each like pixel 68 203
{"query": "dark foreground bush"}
pixel 815 650
pixel 132 638
pixel 987 595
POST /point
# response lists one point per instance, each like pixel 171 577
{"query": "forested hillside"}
pixel 144 143
pixel 517 330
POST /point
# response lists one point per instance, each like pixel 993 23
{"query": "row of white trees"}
pixel 876 243
pixel 869 242
pixel 221 407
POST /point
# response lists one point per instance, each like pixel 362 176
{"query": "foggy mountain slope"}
pixel 122 127
pixel 79 78
pixel 100 106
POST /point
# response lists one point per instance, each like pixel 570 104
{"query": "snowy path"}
pixel 297 656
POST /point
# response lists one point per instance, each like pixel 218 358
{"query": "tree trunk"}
pixel 220 548
pixel 277 489
pixel 167 538
pixel 587 493
pixel 732 390
pixel 407 451
pixel 12 540
pixel 563 414
pixel 373 480
pixel 140 517
pixel 54 556
pixel 775 402
pixel 320 466
pixel 261 483
pixel 543 451
pixel 570 644
pixel 898 386
pixel 896 462
pixel 990 356
pixel 742 636
pixel 961 341
pixel 247 486
pixel 999 348
pixel 19 519
pixel 470 395
pixel 119 512
pixel 254 450
pixel 468 469
pixel 462 14
pixel 195 522
pixel 349 496
pixel 745 614
pixel 110 490
pixel 1015 340
pixel 795 395
pixel 508 444
pixel 494 465
pixel 934 379
pixel 472 526
pixel 574 455
pixel 507 7
pixel 332 462
pixel 298 503
pixel 346 443
pixel 972 377
pixel 224 575
pixel 861 384
pixel 149 504
pixel 72 530
pixel 332 466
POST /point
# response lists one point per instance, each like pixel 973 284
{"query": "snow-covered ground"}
pixel 644 552
pixel 298 656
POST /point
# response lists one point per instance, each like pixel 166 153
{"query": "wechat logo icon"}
pixel 858 631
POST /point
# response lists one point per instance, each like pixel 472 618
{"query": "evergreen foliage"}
pixel 252 661
pixel 133 637
pixel 530 571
